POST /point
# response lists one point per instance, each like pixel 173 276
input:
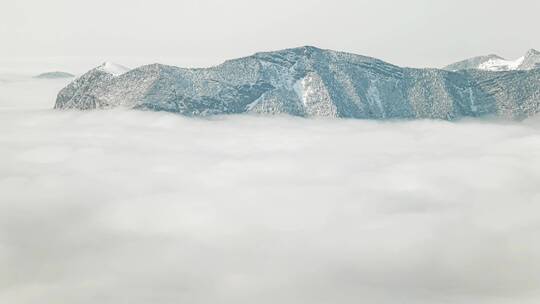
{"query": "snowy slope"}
pixel 113 68
pixel 501 64
pixel 530 60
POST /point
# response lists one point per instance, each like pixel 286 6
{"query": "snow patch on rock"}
pixel 315 97
pixel 502 64
pixel 113 68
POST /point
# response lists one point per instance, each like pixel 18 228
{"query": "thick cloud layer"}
pixel 134 207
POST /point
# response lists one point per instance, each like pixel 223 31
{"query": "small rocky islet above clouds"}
pixel 54 75
pixel 312 82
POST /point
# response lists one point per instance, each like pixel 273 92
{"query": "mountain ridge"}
pixel 310 82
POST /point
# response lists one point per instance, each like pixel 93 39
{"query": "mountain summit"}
pixel 310 82
pixel 113 68
pixel 531 60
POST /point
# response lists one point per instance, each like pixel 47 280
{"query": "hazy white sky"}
pixel 203 32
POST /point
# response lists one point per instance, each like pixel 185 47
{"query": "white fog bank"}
pixel 136 207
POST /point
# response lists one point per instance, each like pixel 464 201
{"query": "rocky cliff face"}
pixel 310 82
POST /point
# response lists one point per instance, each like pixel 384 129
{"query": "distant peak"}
pixel 494 56
pixel 532 52
pixel 113 68
pixel 54 74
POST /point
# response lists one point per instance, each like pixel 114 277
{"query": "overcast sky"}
pixel 204 32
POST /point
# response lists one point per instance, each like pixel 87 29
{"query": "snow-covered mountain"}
pixel 529 61
pixel 309 82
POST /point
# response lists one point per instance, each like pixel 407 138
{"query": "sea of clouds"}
pixel 134 207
